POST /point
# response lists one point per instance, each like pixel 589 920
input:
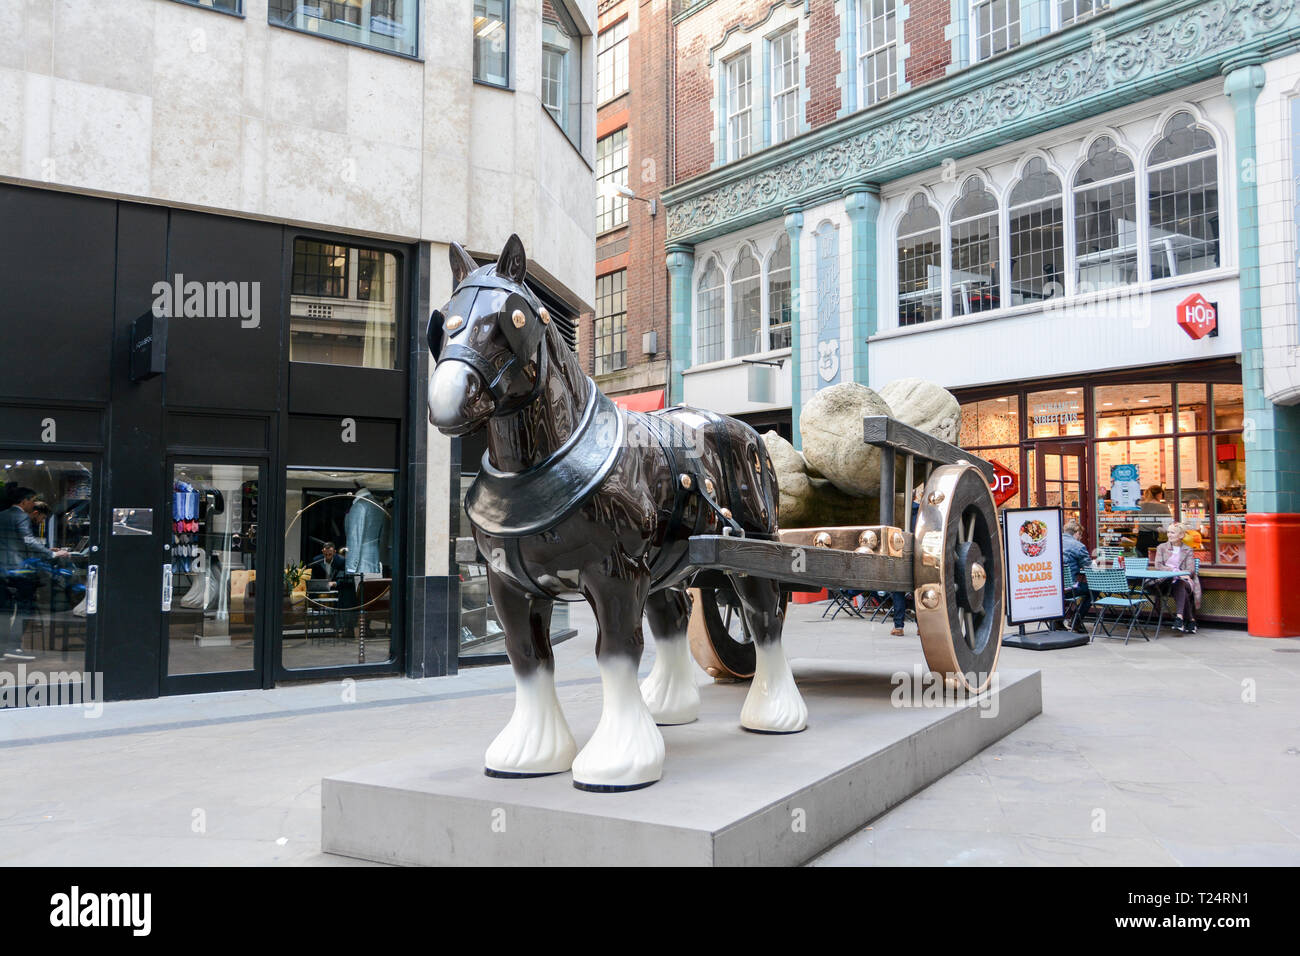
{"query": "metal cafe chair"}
pixel 1110 590
pixel 842 600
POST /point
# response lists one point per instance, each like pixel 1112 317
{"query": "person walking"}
pixel 1176 555
pixel 899 598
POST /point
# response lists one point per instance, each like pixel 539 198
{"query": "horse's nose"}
pixel 453 387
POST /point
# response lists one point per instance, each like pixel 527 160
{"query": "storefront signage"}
pixel 1057 413
pixel 148 347
pixel 1198 317
pixel 1031 538
pixel 1125 488
pixel 1004 484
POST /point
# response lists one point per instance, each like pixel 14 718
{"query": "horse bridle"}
pixel 521 339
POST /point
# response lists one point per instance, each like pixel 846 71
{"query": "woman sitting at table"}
pixel 1175 555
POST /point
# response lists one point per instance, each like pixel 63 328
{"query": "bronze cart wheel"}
pixel 959 577
pixel 720 640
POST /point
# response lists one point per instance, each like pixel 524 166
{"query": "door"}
pixel 50 571
pixel 1059 480
pixel 210 583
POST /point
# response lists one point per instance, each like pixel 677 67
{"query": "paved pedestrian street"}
pixel 1185 750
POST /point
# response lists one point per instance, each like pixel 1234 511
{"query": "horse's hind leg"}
pixel 670 691
pixel 627 750
pixel 774 704
pixel 537 740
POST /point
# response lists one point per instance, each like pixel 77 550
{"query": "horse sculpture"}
pixel 578 499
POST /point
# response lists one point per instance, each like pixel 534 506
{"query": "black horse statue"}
pixel 578 499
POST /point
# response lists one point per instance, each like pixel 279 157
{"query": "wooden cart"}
pixel 950 562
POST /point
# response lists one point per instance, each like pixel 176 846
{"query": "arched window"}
pixel 1183 200
pixel 710 304
pixel 1105 218
pixel 778 296
pixel 920 264
pixel 1037 238
pixel 975 273
pixel 746 304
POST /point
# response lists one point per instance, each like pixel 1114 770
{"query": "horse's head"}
pixel 487 342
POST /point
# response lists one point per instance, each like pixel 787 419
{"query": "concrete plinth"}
pixel 727 797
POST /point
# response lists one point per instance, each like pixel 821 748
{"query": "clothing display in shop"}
pixel 364 527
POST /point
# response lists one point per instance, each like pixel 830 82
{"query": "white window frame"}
pixel 973 14
pixel 867 55
pixel 735 111
pixel 1059 22
pixel 790 92
pixel 612 56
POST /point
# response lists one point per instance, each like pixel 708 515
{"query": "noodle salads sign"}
pixel 1032 539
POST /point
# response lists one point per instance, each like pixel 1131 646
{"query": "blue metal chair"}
pixel 1110 590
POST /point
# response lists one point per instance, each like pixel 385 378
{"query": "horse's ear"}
pixel 513 261
pixel 461 264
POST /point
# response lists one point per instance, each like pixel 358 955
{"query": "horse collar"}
pixel 515 504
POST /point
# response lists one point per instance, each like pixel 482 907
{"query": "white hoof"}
pixel 627 750
pixel 774 704
pixel 670 690
pixel 537 740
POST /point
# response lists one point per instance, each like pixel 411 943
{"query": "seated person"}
pixel 1175 555
pixel 1074 555
pixel 327 566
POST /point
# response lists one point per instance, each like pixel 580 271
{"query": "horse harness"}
pixel 513 506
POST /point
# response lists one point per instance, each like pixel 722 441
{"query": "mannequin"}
pixel 364 528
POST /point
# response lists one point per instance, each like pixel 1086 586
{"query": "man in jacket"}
pixel 328 566
pixel 18 580
pixel 1074 559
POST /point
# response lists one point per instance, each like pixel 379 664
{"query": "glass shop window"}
pixel 343 305
pixel 336 598
pixel 994 421
pixel 383 24
pixel 1056 413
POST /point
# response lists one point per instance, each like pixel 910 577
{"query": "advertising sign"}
pixel 1031 538
pixel 1003 484
pixel 1197 316
pixel 1125 488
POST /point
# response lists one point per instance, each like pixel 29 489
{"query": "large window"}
pixel 785 85
pixel 492 41
pixel 746 304
pixel 739 103
pixel 343 305
pixel 1076 11
pixel 778 296
pixel 1037 235
pixel 611 322
pixel 1183 200
pixel 562 70
pixel 384 24
pixel 995 27
pixel 1105 218
pixel 611 62
pixel 974 243
pixel 611 172
pixel 920 264
pixel 711 310
pixel 877 50
pixel 226 6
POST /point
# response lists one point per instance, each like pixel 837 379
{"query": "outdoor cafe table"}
pixel 1150 578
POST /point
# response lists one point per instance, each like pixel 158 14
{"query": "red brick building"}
pixel 624 344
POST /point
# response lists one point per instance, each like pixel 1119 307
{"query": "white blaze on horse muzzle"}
pixel 458 399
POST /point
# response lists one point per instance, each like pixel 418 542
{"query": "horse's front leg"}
pixel 537 741
pixel 670 691
pixel 626 751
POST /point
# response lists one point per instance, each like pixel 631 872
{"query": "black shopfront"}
pixel 183 539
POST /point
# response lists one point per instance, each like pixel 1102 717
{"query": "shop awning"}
pixel 640 401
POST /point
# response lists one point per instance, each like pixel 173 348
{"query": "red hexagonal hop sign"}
pixel 1197 316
